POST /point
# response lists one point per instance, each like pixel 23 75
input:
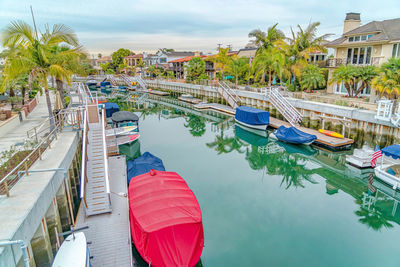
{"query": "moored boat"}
pixel 252 117
pixel 361 158
pixel 110 108
pixel 143 164
pixel 166 221
pixel 73 252
pixel 389 172
pixel 293 135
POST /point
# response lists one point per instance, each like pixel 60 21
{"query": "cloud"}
pixel 104 25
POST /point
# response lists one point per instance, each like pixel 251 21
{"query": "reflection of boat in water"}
pixel 252 117
pixel 294 149
pixel 361 157
pixel 261 133
pixel 293 135
pixel 249 136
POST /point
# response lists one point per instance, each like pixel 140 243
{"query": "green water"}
pixel 269 204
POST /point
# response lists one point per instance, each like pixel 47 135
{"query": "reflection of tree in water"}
pixel 374 220
pixel 223 144
pixel 149 110
pixel 290 166
pixel 196 124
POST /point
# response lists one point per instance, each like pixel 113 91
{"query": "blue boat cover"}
pixel 293 135
pixel 104 84
pixel 249 137
pixel 252 116
pixel 111 108
pixel 143 164
pixel 392 151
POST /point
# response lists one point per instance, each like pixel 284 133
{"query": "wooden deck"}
pixel 217 107
pixel 109 234
pixel 322 139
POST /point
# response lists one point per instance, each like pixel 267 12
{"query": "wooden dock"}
pixel 218 107
pixel 109 234
pixel 322 139
pixel 190 100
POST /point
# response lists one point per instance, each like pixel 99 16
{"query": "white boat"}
pixel 73 252
pixel 126 139
pixel 262 132
pixel 389 173
pixel 126 130
pixel 262 127
pixel 361 158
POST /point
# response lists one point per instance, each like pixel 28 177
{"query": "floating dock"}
pixel 217 107
pixel 109 234
pixel 160 93
pixel 322 139
pixel 190 100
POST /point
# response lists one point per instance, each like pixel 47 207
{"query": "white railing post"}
pixel 103 118
pixel 83 158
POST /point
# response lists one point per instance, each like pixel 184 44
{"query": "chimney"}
pixel 351 22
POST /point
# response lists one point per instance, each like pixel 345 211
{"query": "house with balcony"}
pixel 178 66
pixel 162 57
pixel 370 44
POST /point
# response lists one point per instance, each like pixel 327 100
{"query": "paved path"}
pixel 18 134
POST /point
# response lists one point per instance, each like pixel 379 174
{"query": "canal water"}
pixel 266 203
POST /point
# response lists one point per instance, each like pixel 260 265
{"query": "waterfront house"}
pixel 369 44
pixel 162 57
pixel 178 66
pixel 133 59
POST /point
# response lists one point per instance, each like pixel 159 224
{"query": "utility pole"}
pixel 230 47
pixel 219 46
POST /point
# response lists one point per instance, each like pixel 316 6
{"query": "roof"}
pixel 384 31
pixel 107 58
pixel 185 59
pixel 162 199
pixel 180 54
pixel 135 56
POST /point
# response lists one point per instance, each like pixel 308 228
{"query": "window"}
pixel 351 39
pixel 370 35
pixel 359 55
pixel 363 38
pixel 357 39
pixel 396 50
pixel 340 89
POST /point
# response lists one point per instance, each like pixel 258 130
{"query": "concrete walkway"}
pixel 17 135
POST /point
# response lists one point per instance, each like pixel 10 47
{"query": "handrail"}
pixel 103 111
pixel 84 152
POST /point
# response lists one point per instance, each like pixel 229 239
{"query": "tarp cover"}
pixel 103 84
pixel 252 116
pixel 165 219
pixel 249 137
pixel 293 135
pixel 143 164
pixel 111 108
pixel 392 151
pixel 121 116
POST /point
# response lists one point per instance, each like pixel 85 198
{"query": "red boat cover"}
pixel 165 218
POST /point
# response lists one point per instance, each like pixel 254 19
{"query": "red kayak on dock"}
pixel 165 218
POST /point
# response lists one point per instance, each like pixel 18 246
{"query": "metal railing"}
pixel 85 141
pixel 106 176
pixel 61 120
pixel 288 111
pixel 229 95
pixel 336 62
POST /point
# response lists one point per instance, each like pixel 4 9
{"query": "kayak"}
pixel 331 133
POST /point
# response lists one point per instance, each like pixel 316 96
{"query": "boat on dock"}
pixel 166 221
pixel 142 165
pixel 390 172
pixel 73 252
pixel 293 135
pixel 252 117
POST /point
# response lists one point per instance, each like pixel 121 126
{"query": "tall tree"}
pixel 266 40
pixel 195 68
pixel 388 80
pixel 220 60
pixel 312 77
pixel 118 57
pixel 346 75
pixel 35 51
pixel 268 61
pixel 238 67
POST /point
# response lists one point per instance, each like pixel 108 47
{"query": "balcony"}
pixel 336 62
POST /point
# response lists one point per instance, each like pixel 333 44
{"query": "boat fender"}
pixel 395 186
pixel 152 172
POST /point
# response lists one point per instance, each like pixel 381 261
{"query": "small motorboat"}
pixel 111 108
pixel 331 133
pixel 124 118
pixel 126 139
pixel 292 135
pixel 165 218
pixel 73 252
pixel 143 164
pixel 126 130
pixel 252 117
pixel 389 172
pixel 361 158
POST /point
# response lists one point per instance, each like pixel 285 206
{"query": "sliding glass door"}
pixel 359 55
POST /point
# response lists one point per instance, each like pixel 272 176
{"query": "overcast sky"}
pixel 146 25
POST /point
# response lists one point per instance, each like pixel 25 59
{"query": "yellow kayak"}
pixel 330 133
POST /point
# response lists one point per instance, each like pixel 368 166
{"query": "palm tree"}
pixel 346 75
pixel 312 78
pixel 268 61
pixel 35 53
pixel 237 67
pixel 388 80
pixel 266 40
pixel 220 60
pixel 365 76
